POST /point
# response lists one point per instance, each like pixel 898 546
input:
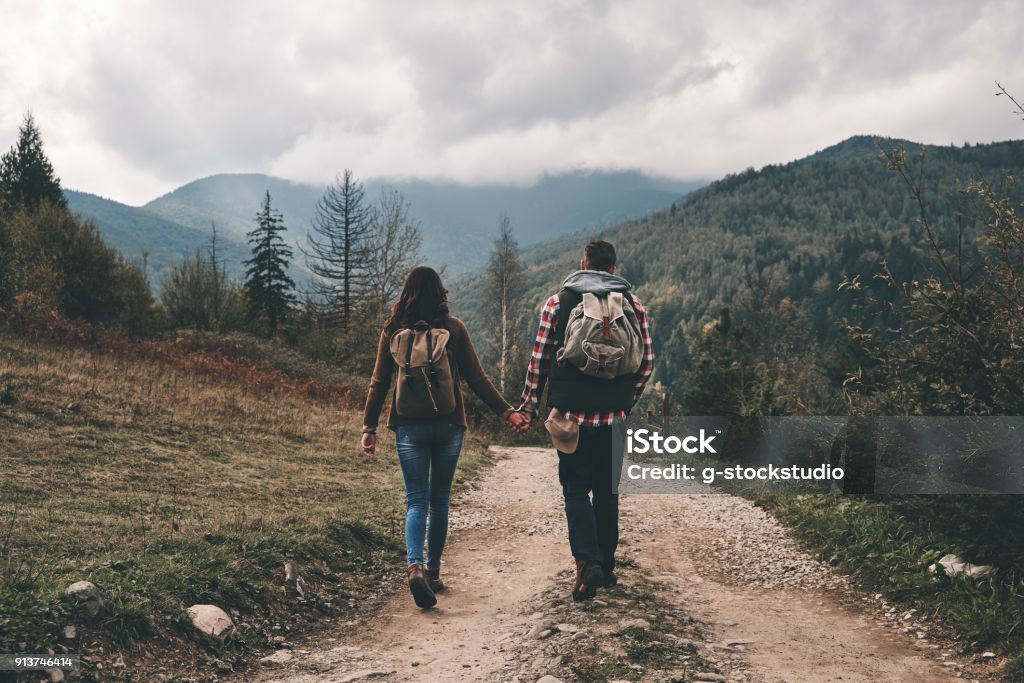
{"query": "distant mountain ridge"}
pixel 459 222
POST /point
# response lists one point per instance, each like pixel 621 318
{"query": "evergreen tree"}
pixel 338 250
pixel 26 175
pixel 267 285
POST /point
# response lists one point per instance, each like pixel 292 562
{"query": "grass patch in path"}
pixel 167 487
pixel 887 543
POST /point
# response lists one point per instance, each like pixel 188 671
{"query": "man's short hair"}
pixel 599 255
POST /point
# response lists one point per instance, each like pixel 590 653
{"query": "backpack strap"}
pixel 408 355
pixel 430 357
pixel 567 300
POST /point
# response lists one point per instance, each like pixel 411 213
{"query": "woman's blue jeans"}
pixel 428 454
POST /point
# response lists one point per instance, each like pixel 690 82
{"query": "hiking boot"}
pixel 419 585
pixel 610 579
pixel 588 577
pixel 434 579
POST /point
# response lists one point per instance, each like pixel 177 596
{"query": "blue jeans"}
pixel 428 454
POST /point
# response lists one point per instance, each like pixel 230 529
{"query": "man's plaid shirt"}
pixel 543 353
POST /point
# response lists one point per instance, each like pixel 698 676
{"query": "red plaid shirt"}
pixel 540 366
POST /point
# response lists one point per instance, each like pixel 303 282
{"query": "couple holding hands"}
pixel 593 353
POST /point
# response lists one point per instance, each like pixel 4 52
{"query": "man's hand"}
pixel 369 444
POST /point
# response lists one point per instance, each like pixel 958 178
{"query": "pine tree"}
pixel 338 251
pixel 26 175
pixel 269 288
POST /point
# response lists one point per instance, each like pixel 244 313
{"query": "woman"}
pixel 424 351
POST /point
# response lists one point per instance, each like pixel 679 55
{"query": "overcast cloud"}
pixel 135 98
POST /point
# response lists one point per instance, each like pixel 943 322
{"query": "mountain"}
pixel 796 229
pixel 459 222
pixel 135 231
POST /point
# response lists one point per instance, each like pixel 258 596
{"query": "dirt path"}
pixel 708 564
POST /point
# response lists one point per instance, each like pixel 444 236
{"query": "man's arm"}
pixel 647 362
pixel 540 358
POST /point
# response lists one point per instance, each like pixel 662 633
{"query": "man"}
pixel 593 403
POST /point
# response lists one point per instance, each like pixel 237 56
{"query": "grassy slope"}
pixel 887 543
pixel 167 487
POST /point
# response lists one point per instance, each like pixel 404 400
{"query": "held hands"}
pixel 369 444
pixel 519 422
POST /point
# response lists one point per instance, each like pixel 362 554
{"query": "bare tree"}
pixel 337 250
pixel 394 244
pixel 504 291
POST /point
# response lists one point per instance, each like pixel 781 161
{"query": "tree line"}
pixel 357 253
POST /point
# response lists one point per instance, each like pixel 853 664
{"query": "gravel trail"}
pixel 766 612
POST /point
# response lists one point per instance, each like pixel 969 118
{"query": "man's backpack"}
pixel 424 386
pixel 602 337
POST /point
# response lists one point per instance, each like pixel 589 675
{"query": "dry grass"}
pixel 167 485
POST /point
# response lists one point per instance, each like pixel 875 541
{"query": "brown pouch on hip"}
pixel 565 434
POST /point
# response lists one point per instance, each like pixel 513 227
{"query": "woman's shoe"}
pixel 419 585
pixel 434 579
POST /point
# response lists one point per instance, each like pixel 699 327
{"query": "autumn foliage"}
pixel 221 359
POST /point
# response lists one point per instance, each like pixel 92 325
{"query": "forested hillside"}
pixel 141 235
pixel 789 231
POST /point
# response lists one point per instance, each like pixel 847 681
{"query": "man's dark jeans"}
pixel 593 525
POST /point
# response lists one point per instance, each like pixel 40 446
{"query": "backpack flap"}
pixel 424 385
pixel 600 339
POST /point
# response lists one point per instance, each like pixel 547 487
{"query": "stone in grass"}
pixel 954 566
pixel 292 577
pixel 548 679
pixel 88 597
pixel 211 621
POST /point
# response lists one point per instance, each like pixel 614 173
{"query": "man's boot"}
pixel 588 577
pixel 434 579
pixel 419 585
pixel 610 578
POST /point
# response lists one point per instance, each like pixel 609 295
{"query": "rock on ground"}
pixel 211 621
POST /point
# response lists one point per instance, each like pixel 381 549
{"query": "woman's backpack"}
pixel 424 386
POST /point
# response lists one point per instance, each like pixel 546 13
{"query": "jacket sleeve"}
pixel 647 363
pixel 380 382
pixel 540 358
pixel 473 373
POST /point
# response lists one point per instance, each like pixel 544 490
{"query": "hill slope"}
pixel 796 228
pixel 134 231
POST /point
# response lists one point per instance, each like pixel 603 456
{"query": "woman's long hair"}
pixel 423 297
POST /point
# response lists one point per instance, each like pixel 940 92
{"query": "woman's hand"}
pixel 369 444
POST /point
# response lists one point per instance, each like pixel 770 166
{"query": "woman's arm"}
pixel 473 373
pixel 380 382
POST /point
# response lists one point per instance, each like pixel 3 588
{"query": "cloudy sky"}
pixel 135 98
